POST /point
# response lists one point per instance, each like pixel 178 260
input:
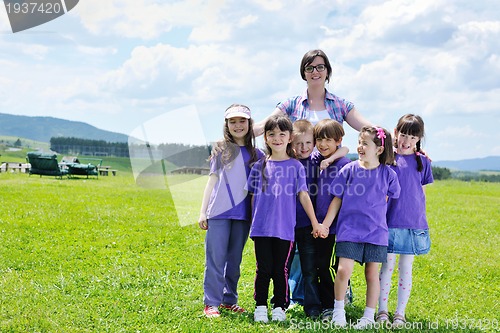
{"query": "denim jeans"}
pixel 296 281
pixel 307 253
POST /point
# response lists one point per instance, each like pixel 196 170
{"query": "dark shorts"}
pixel 361 252
pixel 409 241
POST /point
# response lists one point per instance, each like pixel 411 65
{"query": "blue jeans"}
pixel 307 252
pixel 224 243
pixel 296 281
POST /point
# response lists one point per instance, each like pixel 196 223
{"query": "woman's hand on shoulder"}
pixel 217 148
pixel 422 152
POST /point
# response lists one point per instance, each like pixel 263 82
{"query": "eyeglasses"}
pixel 310 69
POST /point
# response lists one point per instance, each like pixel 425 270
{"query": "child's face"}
pixel 238 127
pixel 303 144
pixel 277 140
pixel 405 144
pixel 368 151
pixel 327 146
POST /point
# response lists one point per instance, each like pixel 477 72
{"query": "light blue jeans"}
pixel 224 243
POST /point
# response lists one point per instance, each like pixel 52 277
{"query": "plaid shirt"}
pixel 297 107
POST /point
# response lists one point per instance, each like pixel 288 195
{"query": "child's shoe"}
pixel 365 323
pixel 338 318
pixel 260 314
pixel 399 321
pixel 233 307
pixel 383 319
pixel 326 315
pixel 211 311
pixel 278 314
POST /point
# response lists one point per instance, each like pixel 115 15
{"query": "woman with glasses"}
pixel 317 103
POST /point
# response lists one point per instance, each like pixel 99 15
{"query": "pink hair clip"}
pixel 381 134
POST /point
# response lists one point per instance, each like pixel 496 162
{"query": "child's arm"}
pixel 202 221
pixel 306 202
pixel 333 209
pixel 341 152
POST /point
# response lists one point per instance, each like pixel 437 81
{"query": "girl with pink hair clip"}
pixel 362 188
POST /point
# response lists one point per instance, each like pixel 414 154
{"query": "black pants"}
pixel 272 255
pixel 327 268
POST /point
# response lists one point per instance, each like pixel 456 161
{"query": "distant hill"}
pixel 490 163
pixel 43 128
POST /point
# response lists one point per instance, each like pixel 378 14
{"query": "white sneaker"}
pixel 365 323
pixel 260 314
pixel 338 318
pixel 278 314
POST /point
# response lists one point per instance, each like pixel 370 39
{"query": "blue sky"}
pixel 121 64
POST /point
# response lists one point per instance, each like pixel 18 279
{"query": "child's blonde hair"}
pixel 303 126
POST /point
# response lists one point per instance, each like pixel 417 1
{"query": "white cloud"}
pixel 36 51
pixel 97 51
pixel 270 5
pixel 145 19
pixel 247 21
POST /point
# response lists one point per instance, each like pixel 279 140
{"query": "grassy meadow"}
pixel 106 255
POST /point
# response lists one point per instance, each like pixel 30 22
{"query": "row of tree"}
pixel 78 146
pixel 176 153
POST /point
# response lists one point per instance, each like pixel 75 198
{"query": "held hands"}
pixel 202 222
pixel 320 231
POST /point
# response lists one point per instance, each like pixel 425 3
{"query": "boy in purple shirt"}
pixel 328 136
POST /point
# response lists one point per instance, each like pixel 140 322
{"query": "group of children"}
pixel 364 211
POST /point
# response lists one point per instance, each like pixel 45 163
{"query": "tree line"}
pixel 176 153
pixel 78 146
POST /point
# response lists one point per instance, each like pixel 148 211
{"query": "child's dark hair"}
pixel 381 138
pixel 230 146
pixel 308 58
pixel 328 129
pixel 412 125
pixel 284 124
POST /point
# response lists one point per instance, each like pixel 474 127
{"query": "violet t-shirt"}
pixel 362 217
pixel 408 211
pixel 323 195
pixel 311 169
pixel 274 210
pixel 229 198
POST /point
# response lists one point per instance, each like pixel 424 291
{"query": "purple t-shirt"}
pixel 323 195
pixel 408 211
pixel 311 169
pixel 362 217
pixel 229 198
pixel 274 210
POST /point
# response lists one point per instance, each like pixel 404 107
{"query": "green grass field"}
pixel 105 255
